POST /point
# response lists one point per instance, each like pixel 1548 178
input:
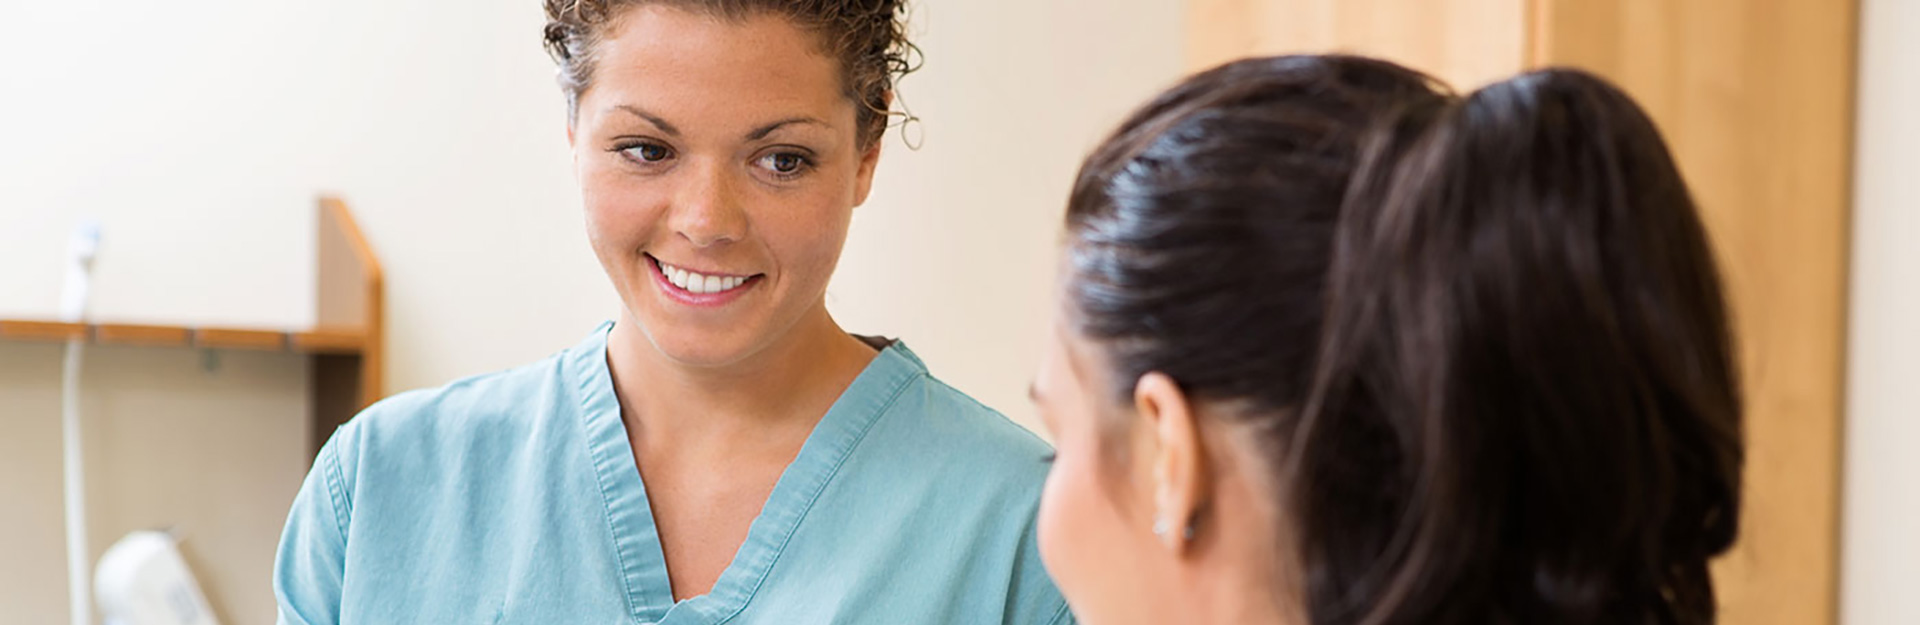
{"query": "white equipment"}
pixel 143 581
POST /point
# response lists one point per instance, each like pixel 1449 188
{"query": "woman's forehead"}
pixel 674 63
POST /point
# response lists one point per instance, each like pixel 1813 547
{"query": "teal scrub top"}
pixel 514 498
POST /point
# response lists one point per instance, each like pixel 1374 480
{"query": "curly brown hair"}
pixel 868 37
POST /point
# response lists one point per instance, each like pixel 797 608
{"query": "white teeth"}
pixel 699 284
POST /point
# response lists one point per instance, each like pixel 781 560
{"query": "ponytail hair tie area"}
pixel 1481 341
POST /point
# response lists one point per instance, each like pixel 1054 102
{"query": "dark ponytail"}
pixel 1481 340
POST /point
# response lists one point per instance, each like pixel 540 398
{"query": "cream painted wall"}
pixel 955 251
pixel 1880 557
pixel 198 133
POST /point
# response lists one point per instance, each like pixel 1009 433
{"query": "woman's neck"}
pixel 781 389
pixel 1240 571
pixel 1242 599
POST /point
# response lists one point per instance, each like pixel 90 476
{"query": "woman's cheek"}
pixel 1071 530
pixel 1051 524
pixel 622 216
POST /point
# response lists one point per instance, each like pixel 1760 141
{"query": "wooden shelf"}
pixel 41 330
pixel 150 336
pixel 345 346
pixel 327 342
pixel 216 338
pixel 337 342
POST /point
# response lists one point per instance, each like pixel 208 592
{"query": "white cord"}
pixel 76 480
pixel 82 247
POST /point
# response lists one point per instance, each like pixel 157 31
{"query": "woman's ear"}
pixel 573 149
pixel 1181 485
pixel 869 161
pixel 870 156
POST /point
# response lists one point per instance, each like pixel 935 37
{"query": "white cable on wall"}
pixel 82 247
pixel 76 487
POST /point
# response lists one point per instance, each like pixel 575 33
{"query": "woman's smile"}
pixel 698 287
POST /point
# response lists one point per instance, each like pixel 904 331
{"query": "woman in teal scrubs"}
pixel 723 452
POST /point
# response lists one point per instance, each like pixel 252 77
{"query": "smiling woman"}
pixel 722 148
pixel 724 451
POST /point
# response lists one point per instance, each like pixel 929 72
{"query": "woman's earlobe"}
pixel 1181 483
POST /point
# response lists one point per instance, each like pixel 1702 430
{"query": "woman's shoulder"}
pixel 488 399
pixel 950 412
pixel 941 425
pixel 467 423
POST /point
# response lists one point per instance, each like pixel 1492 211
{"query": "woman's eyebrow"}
pixel 763 131
pixel 651 118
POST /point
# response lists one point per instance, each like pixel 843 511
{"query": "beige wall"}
pixel 1467 43
pixel 1880 559
pixel 199 133
pixel 955 251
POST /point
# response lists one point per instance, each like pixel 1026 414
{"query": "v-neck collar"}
pixel 636 541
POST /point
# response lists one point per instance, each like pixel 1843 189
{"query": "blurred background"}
pixel 235 317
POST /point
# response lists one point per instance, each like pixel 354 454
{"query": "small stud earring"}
pixel 1161 528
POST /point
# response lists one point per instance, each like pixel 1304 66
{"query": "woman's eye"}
pixel 785 163
pixel 648 152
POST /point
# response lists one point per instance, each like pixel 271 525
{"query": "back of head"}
pixel 1492 376
pixel 1524 294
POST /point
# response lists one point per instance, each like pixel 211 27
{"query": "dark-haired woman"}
pixel 1338 347
pixel 723 452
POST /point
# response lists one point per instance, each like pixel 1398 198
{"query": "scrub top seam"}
pixel 1062 615
pixel 337 493
pixel 584 388
pixel 883 410
pixel 619 550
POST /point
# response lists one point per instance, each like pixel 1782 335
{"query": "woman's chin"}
pixel 699 349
